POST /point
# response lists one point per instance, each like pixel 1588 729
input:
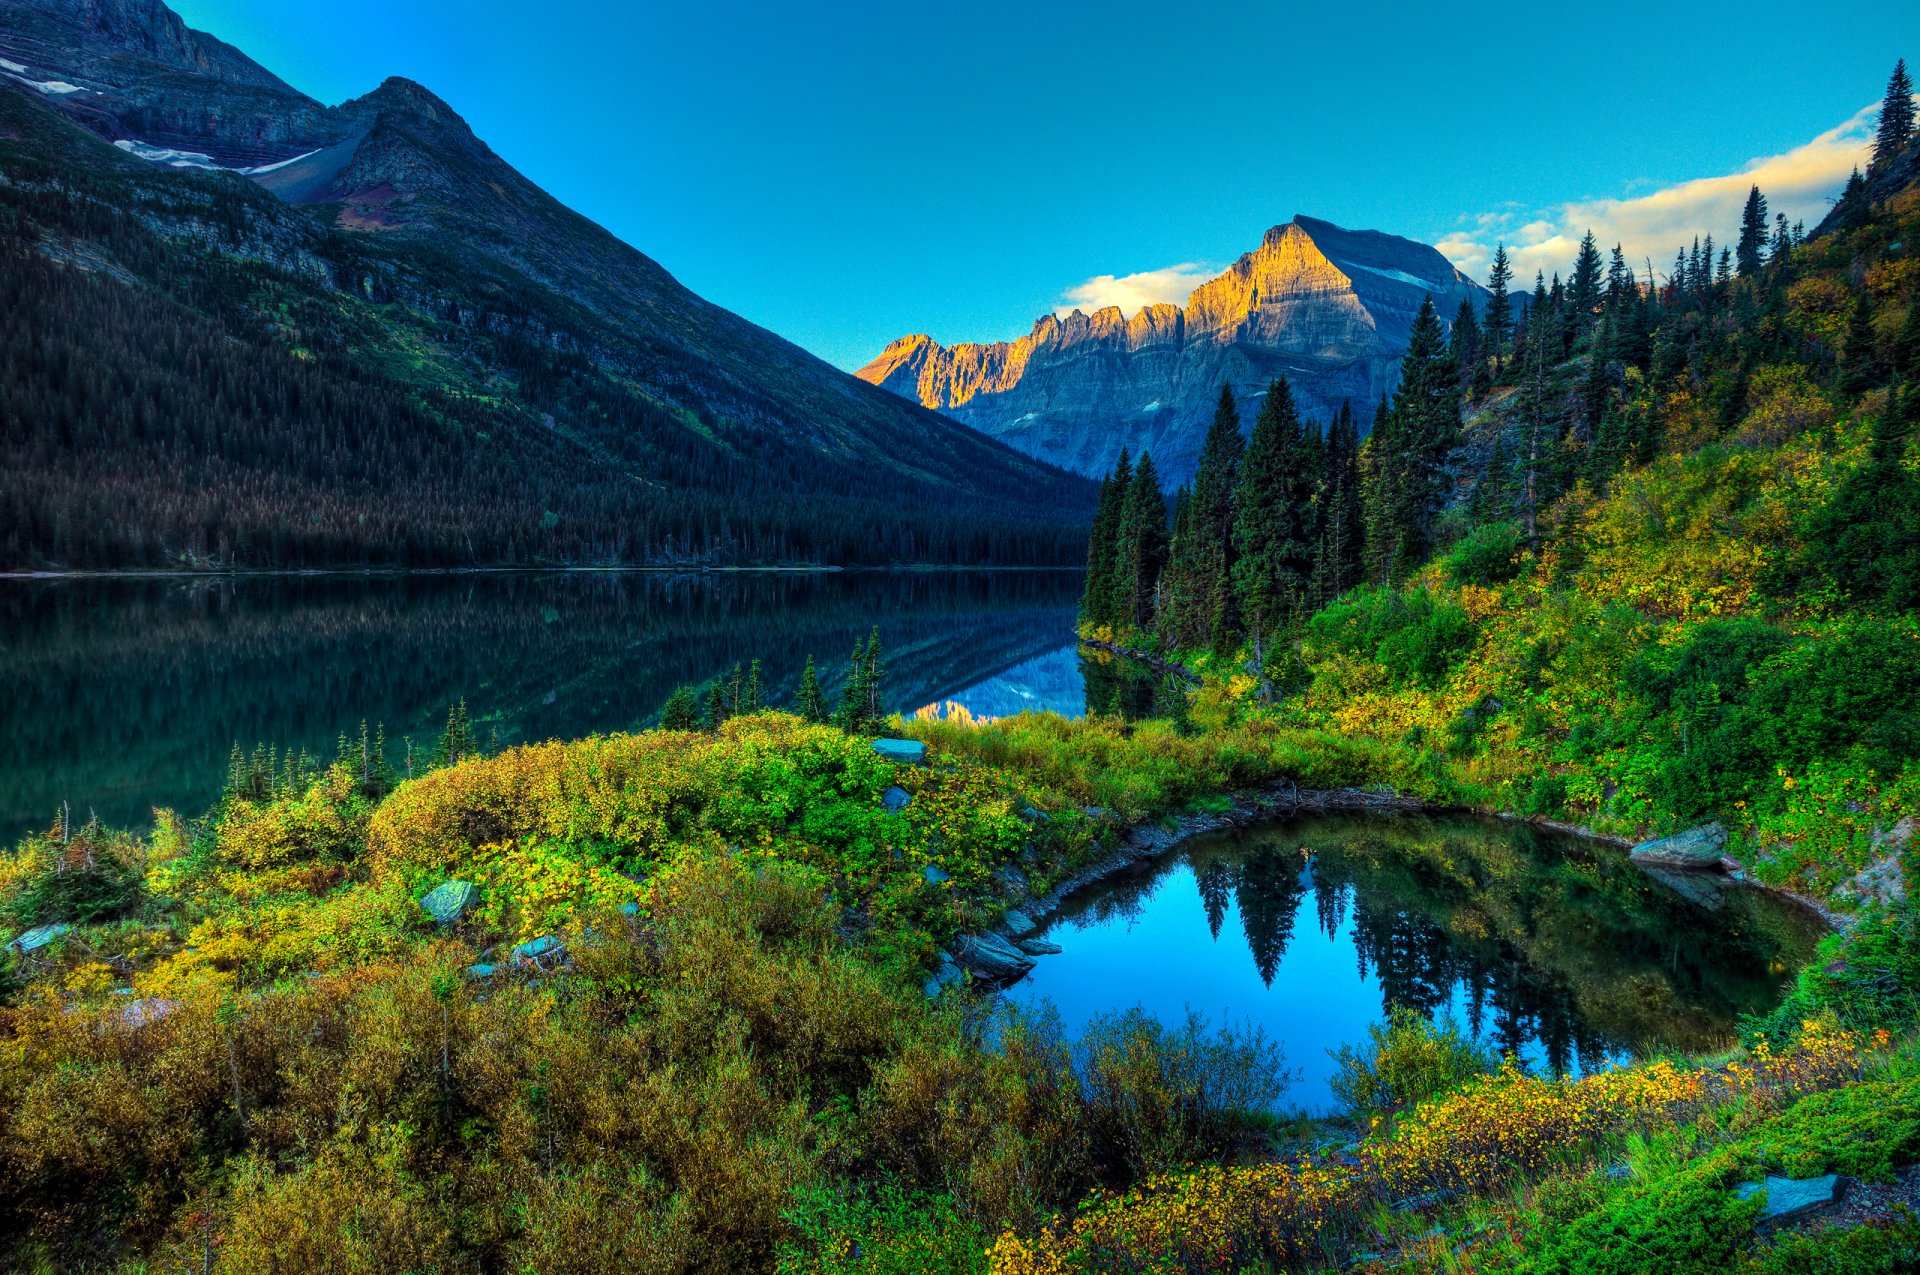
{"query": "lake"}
pixel 1550 947
pixel 123 694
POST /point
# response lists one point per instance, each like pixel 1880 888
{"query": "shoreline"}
pixel 217 573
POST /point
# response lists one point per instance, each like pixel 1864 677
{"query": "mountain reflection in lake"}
pixel 125 694
pixel 1549 947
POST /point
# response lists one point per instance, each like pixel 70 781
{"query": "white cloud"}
pixel 1135 292
pixel 1802 183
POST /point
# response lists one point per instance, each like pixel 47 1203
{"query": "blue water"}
pixel 1571 959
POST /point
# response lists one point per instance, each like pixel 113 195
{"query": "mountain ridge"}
pixel 414 247
pixel 1326 307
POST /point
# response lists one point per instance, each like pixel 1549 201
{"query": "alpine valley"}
pixel 369 317
pixel 1327 308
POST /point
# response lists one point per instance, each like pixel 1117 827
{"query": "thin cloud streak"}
pixel 1802 183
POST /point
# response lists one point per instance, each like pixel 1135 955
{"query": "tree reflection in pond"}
pixel 1549 947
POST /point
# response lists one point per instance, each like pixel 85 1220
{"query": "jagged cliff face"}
pixel 1329 309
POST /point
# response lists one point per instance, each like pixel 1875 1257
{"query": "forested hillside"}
pixel 194 373
pixel 1645 557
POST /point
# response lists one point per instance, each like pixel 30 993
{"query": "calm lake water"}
pixel 125 694
pixel 1553 948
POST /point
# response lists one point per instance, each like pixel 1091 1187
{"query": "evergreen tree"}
pixel 809 703
pixel 1463 344
pixel 1142 552
pixel 716 715
pixel 1859 363
pixel 1583 292
pixel 1498 325
pixel 1102 544
pixel 682 710
pixel 1204 580
pixel 456 741
pixel 736 688
pixel 860 712
pixel 1854 205
pixel 1753 233
pixel 750 696
pixel 1273 535
pixel 1492 497
pixel 1342 544
pixel 1896 117
pixel 1409 479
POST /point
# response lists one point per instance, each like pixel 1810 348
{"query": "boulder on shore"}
pixel 449 903
pixel 1791 1200
pixel 38 937
pixel 992 958
pixel 909 752
pixel 1697 849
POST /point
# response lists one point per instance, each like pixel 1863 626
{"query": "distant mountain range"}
pixel 1327 308
pixel 496 378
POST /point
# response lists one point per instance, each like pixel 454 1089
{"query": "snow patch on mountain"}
pixel 15 67
pixel 194 159
pixel 1400 275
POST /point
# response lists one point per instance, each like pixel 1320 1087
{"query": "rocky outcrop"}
pixel 1697 849
pixel 1330 309
pixel 1792 1200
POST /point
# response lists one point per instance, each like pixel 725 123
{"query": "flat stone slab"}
pixel 38 937
pixel 1791 1200
pixel 1697 849
pixel 992 958
pixel 894 800
pixel 1018 923
pixel 910 752
pixel 448 904
pixel 536 949
pixel 935 876
pixel 1040 947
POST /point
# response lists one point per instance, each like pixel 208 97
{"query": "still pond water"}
pixel 1549 947
pixel 122 695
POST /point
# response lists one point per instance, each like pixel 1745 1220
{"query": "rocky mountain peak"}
pixel 1328 308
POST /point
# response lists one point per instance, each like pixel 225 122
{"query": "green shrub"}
pixel 1158 1097
pixel 1485 556
pixel 1417 637
pixel 1406 1060
pixel 887 1231
pixel 1890 1247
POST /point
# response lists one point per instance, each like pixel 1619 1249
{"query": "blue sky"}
pixel 844 173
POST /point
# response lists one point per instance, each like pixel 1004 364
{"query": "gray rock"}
pixel 991 958
pixel 1791 1200
pixel 448 904
pixel 894 800
pixel 150 1009
pixel 934 875
pixel 945 975
pixel 1706 891
pixel 479 972
pixel 39 937
pixel 538 949
pixel 1012 879
pixel 909 752
pixel 1017 923
pixel 1697 849
pixel 1040 947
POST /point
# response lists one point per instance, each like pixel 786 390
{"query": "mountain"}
pixel 246 281
pixel 1327 308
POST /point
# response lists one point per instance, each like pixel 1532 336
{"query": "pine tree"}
pixel 1409 481
pixel 1492 498
pixel 1498 324
pixel 1102 543
pixel 810 704
pixel 1859 362
pixel 1583 292
pixel 1896 117
pixel 750 696
pixel 1142 552
pixel 456 741
pixel 736 687
pixel 1272 531
pixel 1342 543
pixel 1854 207
pixel 716 715
pixel 682 710
pixel 1204 578
pixel 1463 344
pixel 1753 234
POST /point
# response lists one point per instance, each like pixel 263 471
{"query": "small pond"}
pixel 1550 947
